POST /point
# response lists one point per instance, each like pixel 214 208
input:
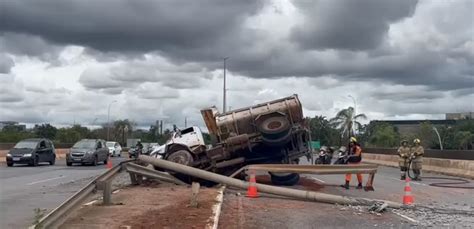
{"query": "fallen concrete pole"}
pixel 293 193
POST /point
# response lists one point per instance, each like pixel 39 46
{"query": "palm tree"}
pixel 347 121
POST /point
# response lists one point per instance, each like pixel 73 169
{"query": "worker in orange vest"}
pixel 355 157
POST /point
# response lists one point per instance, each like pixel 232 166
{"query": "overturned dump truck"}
pixel 271 132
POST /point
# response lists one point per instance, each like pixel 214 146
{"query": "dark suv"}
pixel 32 151
pixel 88 151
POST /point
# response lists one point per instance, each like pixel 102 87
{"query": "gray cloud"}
pixel 353 25
pixel 6 63
pixel 27 44
pixel 123 25
pixel 11 91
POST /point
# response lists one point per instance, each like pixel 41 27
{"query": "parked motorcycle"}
pixel 134 152
pixel 342 156
pixel 325 155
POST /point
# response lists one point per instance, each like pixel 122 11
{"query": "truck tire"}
pixel 181 157
pixel 285 180
pixel 275 130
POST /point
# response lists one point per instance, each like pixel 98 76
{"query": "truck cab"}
pixel 190 138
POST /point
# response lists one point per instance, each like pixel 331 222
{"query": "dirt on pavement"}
pixel 150 206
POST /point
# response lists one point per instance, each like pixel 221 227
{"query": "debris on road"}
pixel 425 217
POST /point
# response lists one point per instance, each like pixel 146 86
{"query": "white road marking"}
pixel 319 180
pixel 41 181
pixel 406 217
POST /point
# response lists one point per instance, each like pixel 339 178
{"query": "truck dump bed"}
pixel 241 121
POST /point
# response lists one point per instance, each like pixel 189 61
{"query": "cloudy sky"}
pixel 65 61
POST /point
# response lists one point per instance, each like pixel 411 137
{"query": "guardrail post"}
pixel 133 178
pixel 107 198
pixel 370 182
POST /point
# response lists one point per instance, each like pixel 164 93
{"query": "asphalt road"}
pixel 276 212
pixel 24 188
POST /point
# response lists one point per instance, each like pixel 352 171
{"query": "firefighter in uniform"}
pixel 417 152
pixel 403 159
pixel 355 157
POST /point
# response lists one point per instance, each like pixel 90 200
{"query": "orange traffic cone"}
pixel 407 197
pixel 109 163
pixel 252 189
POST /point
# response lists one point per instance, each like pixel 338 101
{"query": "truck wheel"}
pixel 181 157
pixel 275 130
pixel 285 180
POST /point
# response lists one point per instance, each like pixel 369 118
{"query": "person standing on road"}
pixel 417 152
pixel 355 157
pixel 139 147
pixel 404 157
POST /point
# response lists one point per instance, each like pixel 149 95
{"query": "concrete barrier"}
pixel 461 168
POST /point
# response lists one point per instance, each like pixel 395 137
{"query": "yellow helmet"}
pixel 353 139
pixel 416 141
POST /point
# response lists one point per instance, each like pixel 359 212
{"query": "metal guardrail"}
pixel 60 214
pixel 139 170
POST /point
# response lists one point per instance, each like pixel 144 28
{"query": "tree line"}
pixel 118 131
pixel 337 130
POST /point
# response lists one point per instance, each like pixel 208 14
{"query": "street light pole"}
pixel 353 114
pixel 439 137
pixel 108 119
pixel 224 89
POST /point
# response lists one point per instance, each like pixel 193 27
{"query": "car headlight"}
pixel 89 152
pixel 27 155
pixel 9 155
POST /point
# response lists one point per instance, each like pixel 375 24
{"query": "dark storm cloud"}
pixel 27 45
pixel 122 25
pixel 348 24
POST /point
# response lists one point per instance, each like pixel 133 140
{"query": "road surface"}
pixel 275 212
pixel 24 188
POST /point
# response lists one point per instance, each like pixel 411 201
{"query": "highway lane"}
pixel 25 188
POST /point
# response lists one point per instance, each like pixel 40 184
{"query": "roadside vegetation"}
pixel 120 131
pixel 336 131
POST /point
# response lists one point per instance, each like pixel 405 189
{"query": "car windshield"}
pixel 110 144
pixel 26 144
pixel 84 144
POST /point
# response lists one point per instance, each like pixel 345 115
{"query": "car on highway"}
pixel 114 149
pixel 88 151
pixel 32 152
